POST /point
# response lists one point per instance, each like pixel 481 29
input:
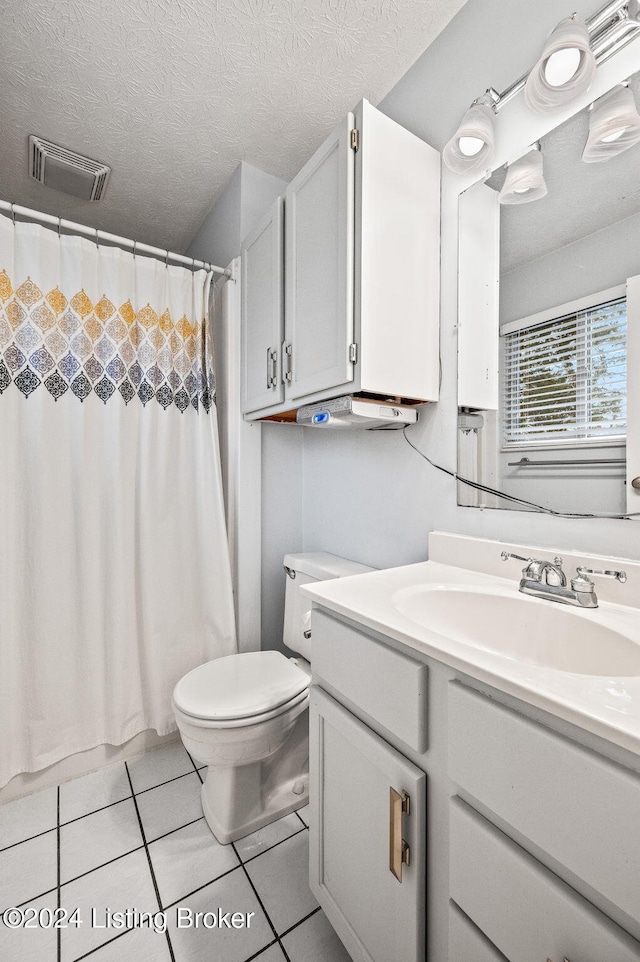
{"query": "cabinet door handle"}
pixel 398 849
pixel 272 367
pixel 564 960
pixel 287 351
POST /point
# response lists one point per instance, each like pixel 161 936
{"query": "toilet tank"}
pixel 304 569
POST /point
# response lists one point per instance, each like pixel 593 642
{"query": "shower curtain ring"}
pixel 166 260
pixel 134 247
pixel 13 214
pixel 97 243
pixel 59 226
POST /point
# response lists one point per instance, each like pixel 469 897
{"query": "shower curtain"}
pixel 114 570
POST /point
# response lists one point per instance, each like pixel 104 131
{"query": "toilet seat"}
pixel 241 689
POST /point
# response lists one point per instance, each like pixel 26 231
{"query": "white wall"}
pixel 248 195
pixel 282 489
pixel 218 240
pixel 386 498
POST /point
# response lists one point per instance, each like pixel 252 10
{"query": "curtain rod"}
pixel 97 235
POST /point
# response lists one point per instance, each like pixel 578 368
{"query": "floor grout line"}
pixel 102 808
pixel 172 905
pixel 305 919
pixel 175 778
pixel 32 898
pixel 261 904
pixel 147 853
pixel 29 839
pixel 111 861
pixel 271 847
pixel 130 852
pixel 264 948
pixel 178 829
pixel 197 770
pixel 103 945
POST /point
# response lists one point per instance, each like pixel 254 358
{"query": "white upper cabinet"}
pixel 361 275
pixel 262 312
pixel 319 269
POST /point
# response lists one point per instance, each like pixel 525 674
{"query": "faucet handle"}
pixel 620 576
pixel 505 555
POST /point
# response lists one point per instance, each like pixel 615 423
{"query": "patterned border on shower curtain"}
pixel 72 345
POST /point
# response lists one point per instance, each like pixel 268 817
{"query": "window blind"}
pixel 565 379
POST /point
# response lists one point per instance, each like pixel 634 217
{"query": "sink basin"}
pixel 528 630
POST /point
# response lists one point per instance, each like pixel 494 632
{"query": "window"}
pixel 565 378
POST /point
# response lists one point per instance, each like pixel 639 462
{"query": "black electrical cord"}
pixel 511 498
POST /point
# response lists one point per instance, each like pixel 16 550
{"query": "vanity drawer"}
pixel 578 807
pixel 389 686
pixel 525 910
pixel 466 941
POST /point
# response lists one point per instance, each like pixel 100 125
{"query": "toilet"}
pixel 246 715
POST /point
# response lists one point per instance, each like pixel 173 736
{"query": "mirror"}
pixel 558 437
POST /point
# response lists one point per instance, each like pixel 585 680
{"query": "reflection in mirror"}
pixel 558 438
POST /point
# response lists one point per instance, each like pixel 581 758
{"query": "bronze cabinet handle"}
pixel 399 852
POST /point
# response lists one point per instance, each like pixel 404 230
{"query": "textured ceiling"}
pixel 173 94
pixel 581 199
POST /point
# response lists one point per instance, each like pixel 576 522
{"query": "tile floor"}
pixel 132 837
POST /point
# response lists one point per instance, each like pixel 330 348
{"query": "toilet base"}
pixel 240 799
pixel 281 803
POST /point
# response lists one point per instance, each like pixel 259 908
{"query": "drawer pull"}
pixel 272 367
pixel 399 852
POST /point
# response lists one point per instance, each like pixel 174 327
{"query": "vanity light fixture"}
pixel 614 125
pixel 472 147
pixel 525 179
pixel 565 70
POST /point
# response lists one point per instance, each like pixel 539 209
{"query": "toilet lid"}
pixel 239 686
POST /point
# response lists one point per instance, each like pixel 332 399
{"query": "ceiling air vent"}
pixel 63 169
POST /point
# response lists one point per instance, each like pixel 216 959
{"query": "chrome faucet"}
pixel 542 579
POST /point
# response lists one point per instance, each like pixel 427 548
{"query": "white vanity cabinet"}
pixel 361 275
pixel 369 817
pixel 532 825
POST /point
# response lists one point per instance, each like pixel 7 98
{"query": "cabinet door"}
pixel 262 321
pixel 319 268
pixel 352 771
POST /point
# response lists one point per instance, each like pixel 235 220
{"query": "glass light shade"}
pixel 565 70
pixel 524 181
pixel 471 148
pixel 614 126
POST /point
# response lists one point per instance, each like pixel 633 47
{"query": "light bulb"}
pixel 614 135
pixel 562 66
pixel 470 146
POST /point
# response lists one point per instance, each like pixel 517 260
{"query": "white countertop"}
pixel 606 706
